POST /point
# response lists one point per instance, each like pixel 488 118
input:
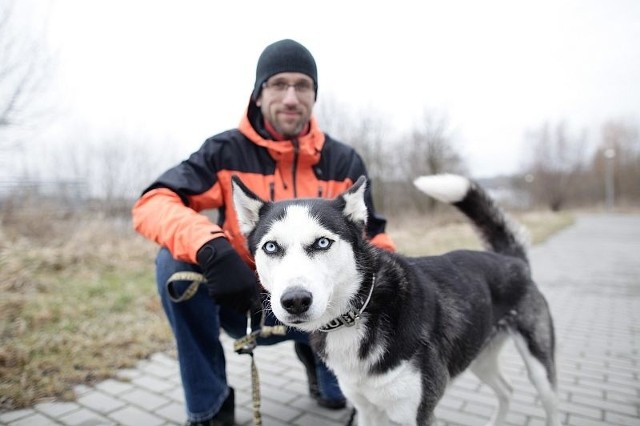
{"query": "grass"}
pixel 79 299
pixel 448 230
pixel 76 306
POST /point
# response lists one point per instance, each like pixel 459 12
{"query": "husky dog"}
pixel 396 330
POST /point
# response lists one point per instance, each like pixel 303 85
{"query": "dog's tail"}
pixel 497 231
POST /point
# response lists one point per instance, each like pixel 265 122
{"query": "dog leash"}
pixel 195 278
pixel 243 345
pixel 246 345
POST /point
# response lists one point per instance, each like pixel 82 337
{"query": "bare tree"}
pixel 334 117
pixel 25 67
pixel 429 149
pixel 556 161
pixel 113 165
pixel 367 131
pixel 616 163
pixel 393 162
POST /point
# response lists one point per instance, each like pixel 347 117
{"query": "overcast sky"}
pixel 183 70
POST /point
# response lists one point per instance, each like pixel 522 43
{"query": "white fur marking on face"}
pixel 330 276
pixel 447 188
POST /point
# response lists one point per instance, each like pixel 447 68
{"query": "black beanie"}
pixel 284 56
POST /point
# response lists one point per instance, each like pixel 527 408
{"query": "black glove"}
pixel 230 281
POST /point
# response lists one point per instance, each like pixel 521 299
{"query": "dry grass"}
pixel 78 302
pixel 79 299
pixel 448 230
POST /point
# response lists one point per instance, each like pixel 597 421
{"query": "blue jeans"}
pixel 196 326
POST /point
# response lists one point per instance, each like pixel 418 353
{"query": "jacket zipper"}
pixel 294 168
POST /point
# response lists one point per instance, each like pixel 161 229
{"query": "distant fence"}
pixel 73 191
pixel 58 197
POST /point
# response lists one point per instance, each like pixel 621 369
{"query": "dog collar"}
pixel 350 318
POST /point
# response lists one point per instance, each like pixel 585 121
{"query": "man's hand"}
pixel 229 280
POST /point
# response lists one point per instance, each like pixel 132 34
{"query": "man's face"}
pixel 287 100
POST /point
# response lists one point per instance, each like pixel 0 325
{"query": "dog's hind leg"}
pixel 534 337
pixel 487 368
pixel 542 376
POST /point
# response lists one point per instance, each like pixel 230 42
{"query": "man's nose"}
pixel 290 95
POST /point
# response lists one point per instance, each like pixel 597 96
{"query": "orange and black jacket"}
pixel 314 165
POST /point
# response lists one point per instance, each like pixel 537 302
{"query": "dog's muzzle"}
pixel 296 300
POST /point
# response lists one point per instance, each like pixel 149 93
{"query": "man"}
pixel 280 153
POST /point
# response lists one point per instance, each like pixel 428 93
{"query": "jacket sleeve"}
pixel 160 216
pixel 168 211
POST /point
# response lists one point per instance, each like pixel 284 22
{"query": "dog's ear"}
pixel 355 208
pixel 246 204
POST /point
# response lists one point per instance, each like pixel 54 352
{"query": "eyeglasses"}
pixel 281 87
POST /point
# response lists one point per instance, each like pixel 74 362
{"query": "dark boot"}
pixel 305 355
pixel 225 417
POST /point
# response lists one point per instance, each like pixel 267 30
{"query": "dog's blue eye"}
pixel 322 243
pixel 271 247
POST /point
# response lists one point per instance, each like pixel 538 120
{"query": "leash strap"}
pixel 255 391
pixel 243 345
pixel 246 345
pixel 195 278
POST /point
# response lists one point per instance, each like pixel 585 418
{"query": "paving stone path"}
pixel 591 275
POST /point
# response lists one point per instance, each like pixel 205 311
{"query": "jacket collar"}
pixel 309 146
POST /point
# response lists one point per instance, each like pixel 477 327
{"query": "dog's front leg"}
pixel 369 415
pixel 370 418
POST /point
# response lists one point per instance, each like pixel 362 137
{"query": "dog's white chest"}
pixel 396 393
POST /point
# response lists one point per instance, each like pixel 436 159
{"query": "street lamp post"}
pixel 609 187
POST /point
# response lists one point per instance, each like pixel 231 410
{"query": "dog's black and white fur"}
pixel 396 330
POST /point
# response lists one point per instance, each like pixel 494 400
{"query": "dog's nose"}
pixel 296 300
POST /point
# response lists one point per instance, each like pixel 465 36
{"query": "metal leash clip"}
pixel 246 344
